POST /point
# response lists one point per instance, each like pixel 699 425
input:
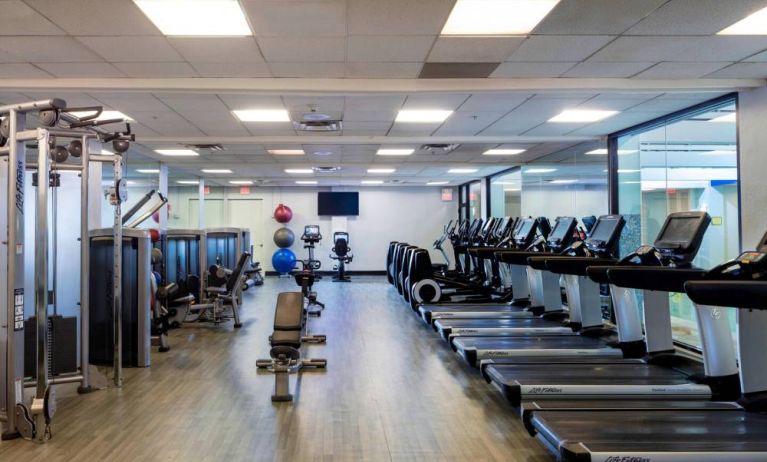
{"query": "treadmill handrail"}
pixel 656 278
pixel 728 294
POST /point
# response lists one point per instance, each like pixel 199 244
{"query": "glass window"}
pixel 475 200
pixel 689 163
pixel 506 194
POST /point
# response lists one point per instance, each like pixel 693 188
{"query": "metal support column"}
pixel 117 251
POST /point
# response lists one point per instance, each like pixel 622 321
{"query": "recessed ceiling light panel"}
pixel 394 152
pixel 216 170
pixel 196 17
pixel 754 24
pixel 581 116
pixel 503 152
pixel 423 115
pixel 496 17
pixel 262 115
pixel 241 182
pixel 463 170
pixel 382 170
pixel 286 152
pixel 299 170
pixel 177 152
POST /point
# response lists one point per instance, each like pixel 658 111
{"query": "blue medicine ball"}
pixel 284 260
pixel 157 277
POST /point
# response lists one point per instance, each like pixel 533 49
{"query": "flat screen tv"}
pixel 338 203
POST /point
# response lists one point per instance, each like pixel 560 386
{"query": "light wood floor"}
pixel 392 391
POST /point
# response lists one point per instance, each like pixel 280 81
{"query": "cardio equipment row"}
pixel 579 341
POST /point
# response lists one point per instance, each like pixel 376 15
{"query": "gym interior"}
pixel 383 230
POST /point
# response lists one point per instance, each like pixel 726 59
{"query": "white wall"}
pixel 412 214
pixel 752 114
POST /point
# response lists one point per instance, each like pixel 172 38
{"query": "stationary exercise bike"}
pixel 342 253
pixel 311 238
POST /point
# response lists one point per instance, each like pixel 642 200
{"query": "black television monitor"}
pixel 338 203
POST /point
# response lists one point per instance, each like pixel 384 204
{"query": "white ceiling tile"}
pixel 386 115
pixel 353 125
pixel 667 104
pixel 18 18
pixel 619 102
pixel 547 129
pixel 383 70
pixel 134 49
pixel 468 123
pixel 439 101
pixel 22 71
pixel 397 17
pixel 96 17
pixel 540 48
pixel 668 70
pixel 217 49
pixel 301 104
pixel 183 103
pixel 42 49
pixel 157 70
pixel 473 49
pixel 128 102
pixel 644 49
pixel 297 18
pixel 407 129
pixel 167 123
pixel 721 48
pixel 12 98
pixel 374 102
pixel 741 71
pixel 531 70
pixel 235 101
pixel 757 58
pixel 308 69
pixel 616 123
pixel 232 69
pixel 695 17
pixel 81 70
pixel 607 70
pixel 609 17
pixel 304 50
pixel 389 48
pixel 493 102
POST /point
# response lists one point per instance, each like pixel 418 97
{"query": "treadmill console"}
pixel 605 234
pixel 525 233
pixel 561 235
pixel 681 235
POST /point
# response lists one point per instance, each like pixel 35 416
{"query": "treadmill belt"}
pixel 523 343
pixel 586 374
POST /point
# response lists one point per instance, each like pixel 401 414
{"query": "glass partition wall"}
pixel 687 162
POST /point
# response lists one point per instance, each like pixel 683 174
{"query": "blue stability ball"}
pixel 284 260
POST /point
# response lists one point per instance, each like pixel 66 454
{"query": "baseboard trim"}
pixel 332 273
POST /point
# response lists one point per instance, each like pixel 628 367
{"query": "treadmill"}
pixel 657 270
pixel 584 302
pixel 713 432
pixel 545 295
pixel 524 236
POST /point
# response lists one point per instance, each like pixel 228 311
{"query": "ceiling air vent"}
pixel 318 125
pixel 326 169
pixel 211 147
pixel 439 148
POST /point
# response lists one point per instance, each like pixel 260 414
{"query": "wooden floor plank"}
pixel 393 391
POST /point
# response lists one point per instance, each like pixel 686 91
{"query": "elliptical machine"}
pixel 342 253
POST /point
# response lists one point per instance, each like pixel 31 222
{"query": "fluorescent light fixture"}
pixel 299 170
pixel 496 17
pixel 196 17
pixel 262 115
pixel 627 170
pixel 436 183
pixel 540 170
pixel 423 115
pixel 216 170
pixel 603 152
pixel 463 170
pixel 371 182
pixel 563 181
pixel 241 182
pixel 505 182
pixel 131 183
pixel 511 189
pixel 107 152
pixel 581 116
pixel 306 182
pixel 286 152
pixel 394 152
pixel 105 115
pixel 177 152
pixel 382 170
pixel 503 152
pixel 187 182
pixel 148 170
pixel 753 24
pixel 718 152
pixel 727 118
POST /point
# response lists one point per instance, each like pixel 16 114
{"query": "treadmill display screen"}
pixel 603 230
pixel 680 229
pixel 559 233
pixel 524 229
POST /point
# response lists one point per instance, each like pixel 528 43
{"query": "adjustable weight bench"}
pixel 286 340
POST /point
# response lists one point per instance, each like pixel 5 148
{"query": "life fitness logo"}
pixel 628 459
